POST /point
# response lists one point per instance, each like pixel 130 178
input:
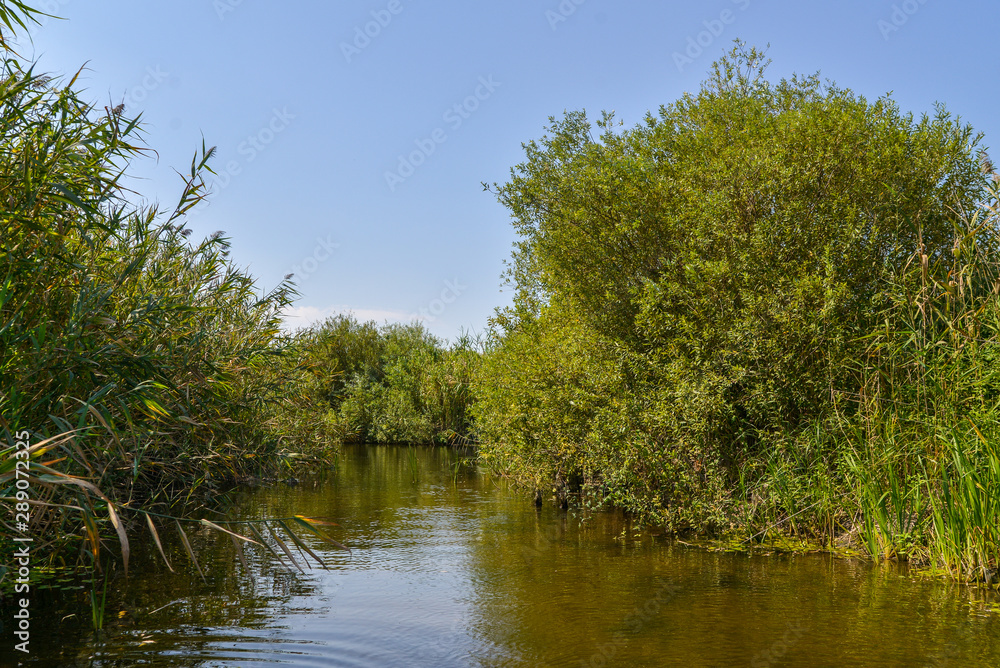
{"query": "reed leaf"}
pixel 284 548
pixel 298 541
pixel 215 526
pixel 156 539
pixel 308 524
pixel 190 552
pixel 92 534
pixel 238 546
pixel 264 542
pixel 122 536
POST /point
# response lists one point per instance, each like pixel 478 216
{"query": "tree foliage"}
pixel 361 382
pixel 726 257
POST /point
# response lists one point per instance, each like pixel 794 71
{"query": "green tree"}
pixel 366 383
pixel 731 251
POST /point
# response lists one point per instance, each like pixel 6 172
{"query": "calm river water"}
pixel 450 568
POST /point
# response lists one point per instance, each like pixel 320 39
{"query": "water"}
pixel 450 570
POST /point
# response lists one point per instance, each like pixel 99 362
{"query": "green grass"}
pixel 97 604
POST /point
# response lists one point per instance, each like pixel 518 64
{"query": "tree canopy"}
pixel 744 232
pixel 720 265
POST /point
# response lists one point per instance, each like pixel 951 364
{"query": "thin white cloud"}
pixel 303 316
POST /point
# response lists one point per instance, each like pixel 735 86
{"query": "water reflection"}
pixel 451 569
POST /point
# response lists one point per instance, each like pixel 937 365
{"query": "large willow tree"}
pixel 703 282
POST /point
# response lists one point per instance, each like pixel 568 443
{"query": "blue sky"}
pixel 353 136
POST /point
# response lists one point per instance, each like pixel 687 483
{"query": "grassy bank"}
pixel 768 308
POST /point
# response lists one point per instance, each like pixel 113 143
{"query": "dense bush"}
pixel 360 382
pixel 710 305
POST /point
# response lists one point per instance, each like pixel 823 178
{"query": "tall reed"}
pixel 923 457
pixel 137 359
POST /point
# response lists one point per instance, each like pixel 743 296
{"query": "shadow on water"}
pixel 450 568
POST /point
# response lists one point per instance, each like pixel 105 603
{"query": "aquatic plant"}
pixel 412 463
pixel 139 362
pixel 97 605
